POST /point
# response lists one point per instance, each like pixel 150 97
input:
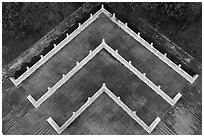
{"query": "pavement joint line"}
pixel 125 27
pixel 103 89
pixel 115 54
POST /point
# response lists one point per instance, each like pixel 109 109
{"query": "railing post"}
pixel 102 7
pixel 79 26
pixel 113 15
pixel 77 63
pixel 179 66
pixel 138 34
pixel 90 51
pixel 103 41
pixel 165 54
pixel 67 35
pixel 63 76
pixel 104 85
pixel 151 44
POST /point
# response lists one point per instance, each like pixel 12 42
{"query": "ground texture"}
pixel 103 116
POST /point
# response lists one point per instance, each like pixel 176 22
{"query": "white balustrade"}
pixel 83 26
pixel 152 49
pixel 103 89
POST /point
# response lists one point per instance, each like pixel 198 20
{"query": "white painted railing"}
pixel 92 18
pixel 55 49
pixel 115 54
pixel 150 47
pixel 65 78
pixel 103 89
pixel 143 77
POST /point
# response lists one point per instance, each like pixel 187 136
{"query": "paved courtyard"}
pixel 103 116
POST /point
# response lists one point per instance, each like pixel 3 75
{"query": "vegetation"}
pixel 25 23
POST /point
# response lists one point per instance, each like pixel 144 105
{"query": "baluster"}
pixel 165 54
pixel 79 25
pixel 63 76
pixel 103 41
pixel 138 34
pixel 179 66
pixel 90 51
pixel 77 63
pixel 113 15
pixel 67 34
pixel 102 7
pixel 151 44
